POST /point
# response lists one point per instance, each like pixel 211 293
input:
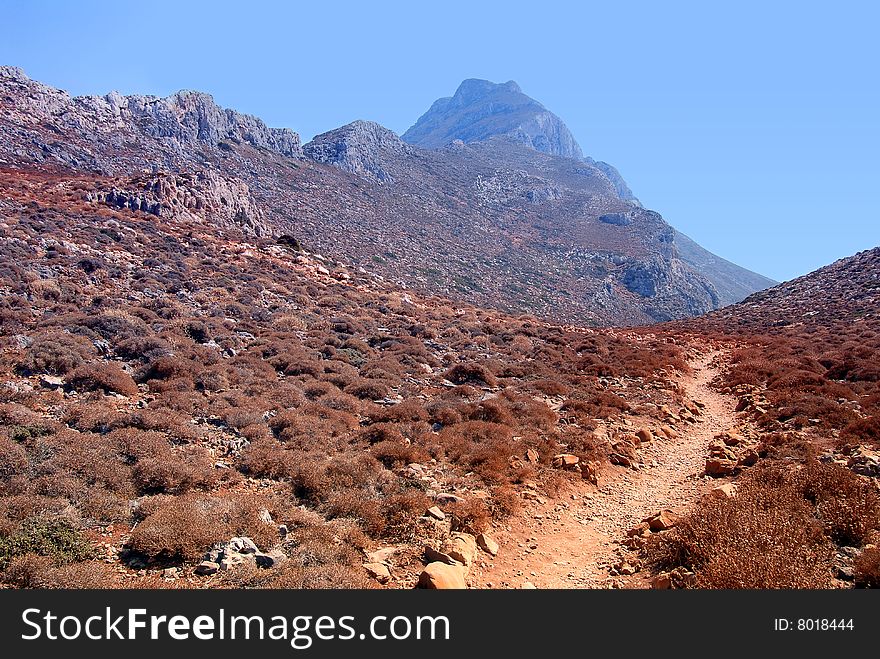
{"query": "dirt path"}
pixel 570 542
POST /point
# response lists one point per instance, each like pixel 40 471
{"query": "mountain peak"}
pixel 361 147
pixel 481 109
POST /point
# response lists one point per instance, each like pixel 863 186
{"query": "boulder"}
pixel 670 432
pixel 720 467
pixel 462 548
pixel 662 581
pixel 565 461
pixel 532 455
pixel 487 543
pixel 381 555
pixel 437 556
pixel 645 435
pixel 270 559
pixel 378 571
pixel 436 513
pixel 726 491
pixel 662 521
pixel 206 568
pixel 440 576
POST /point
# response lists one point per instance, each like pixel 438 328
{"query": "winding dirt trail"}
pixel 570 542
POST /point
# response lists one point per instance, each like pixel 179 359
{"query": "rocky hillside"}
pixel 491 222
pixel 845 292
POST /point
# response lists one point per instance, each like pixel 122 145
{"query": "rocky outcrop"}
pixel 481 109
pixel 205 195
pixel 361 147
pixel 111 133
pixel 188 117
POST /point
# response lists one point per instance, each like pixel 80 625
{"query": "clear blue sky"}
pixel 752 127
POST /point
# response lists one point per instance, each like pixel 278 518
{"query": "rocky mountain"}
pixel 480 109
pixel 732 282
pixel 493 222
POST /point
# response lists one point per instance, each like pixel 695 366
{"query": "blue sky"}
pixel 752 126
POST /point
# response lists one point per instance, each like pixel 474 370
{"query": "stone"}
pixel 532 455
pixel 206 568
pixel 433 555
pixel 662 521
pixel 645 435
pixel 670 433
pixel 487 543
pixel 528 585
pixel 270 559
pixel 381 555
pixel 378 571
pixel 462 548
pixel 243 545
pixel 565 461
pixel 726 491
pixel 170 572
pixel 590 472
pixel 436 513
pixel 441 576
pixel 662 581
pixel 446 497
pixel 720 467
pixel 51 381
pixel 642 529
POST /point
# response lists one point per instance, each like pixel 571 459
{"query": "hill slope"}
pixel 493 222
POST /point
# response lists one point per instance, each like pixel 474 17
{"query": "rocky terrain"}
pixel 491 222
pixel 216 371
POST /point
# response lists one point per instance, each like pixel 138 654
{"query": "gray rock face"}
pixel 223 200
pixel 159 131
pixel 361 147
pixel 188 117
pixel 481 109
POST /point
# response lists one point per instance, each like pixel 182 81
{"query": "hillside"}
pixel 492 223
pixel 167 385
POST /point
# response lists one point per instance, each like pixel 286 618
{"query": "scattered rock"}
pixel 532 455
pixel 662 581
pixel 726 491
pixel 378 571
pixel 719 467
pixel 565 461
pixel 441 576
pixel 662 521
pixel 436 513
pixel 462 548
pixel 487 543
pixel 645 435
pixel 206 568
pixel 270 559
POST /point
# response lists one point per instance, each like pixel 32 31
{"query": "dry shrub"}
pixel 175 472
pixel 471 373
pixel 56 353
pixel 182 528
pixel 34 571
pixel 765 537
pixel 109 378
pixel 470 515
pixel 847 505
pixel 480 446
pixel 867 568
